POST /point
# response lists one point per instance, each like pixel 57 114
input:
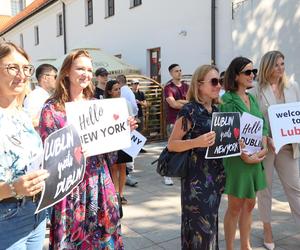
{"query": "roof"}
pixel 4 20
pixel 30 10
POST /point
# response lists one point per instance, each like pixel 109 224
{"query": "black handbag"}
pixel 174 164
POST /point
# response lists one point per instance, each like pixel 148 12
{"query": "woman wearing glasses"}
pixel 202 188
pixel 20 157
pixel 273 88
pixel 244 174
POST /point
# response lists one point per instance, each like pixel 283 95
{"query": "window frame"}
pixel 89 12
pixel 60 26
pixel 109 8
pixel 36 35
pixel 135 3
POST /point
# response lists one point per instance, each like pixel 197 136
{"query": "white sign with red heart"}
pixel 101 124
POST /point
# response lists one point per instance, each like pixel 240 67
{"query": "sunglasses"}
pixel 214 81
pixel 249 71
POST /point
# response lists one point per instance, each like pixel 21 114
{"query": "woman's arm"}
pixel 176 143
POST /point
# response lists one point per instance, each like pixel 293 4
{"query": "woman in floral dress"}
pixel 88 218
pixel 202 188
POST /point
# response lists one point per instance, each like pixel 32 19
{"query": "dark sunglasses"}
pixel 249 71
pixel 214 81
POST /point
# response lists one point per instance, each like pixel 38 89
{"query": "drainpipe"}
pixel 64 26
pixel 213 32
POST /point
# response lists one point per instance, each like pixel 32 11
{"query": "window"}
pixel 89 12
pixel 59 24
pixel 36 35
pixel 110 8
pixel 118 56
pixel 21 41
pixel 17 6
pixel 134 3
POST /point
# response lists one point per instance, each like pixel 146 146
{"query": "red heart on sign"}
pixel 78 154
pixel 116 117
pixel 236 133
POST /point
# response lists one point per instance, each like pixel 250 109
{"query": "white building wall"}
pixel 50 46
pixel 5 8
pixel 260 26
pixel 182 30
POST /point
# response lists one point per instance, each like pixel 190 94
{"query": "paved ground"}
pixel 152 216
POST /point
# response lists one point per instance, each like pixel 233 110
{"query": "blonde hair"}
pixel 266 67
pixel 7 48
pixel 62 91
pixel 198 76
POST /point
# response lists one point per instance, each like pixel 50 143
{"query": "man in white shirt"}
pixel 34 101
pixel 128 94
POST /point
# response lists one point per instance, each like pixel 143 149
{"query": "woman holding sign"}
pixel 118 170
pixel 244 174
pixel 88 218
pixel 202 188
pixel 21 153
pixel 273 88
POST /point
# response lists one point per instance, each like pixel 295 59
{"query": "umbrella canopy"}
pixel 111 63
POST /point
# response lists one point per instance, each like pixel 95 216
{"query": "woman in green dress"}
pixel 244 174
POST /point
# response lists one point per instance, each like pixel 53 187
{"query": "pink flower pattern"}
pixel 88 218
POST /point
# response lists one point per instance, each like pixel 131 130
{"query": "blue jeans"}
pixel 20 228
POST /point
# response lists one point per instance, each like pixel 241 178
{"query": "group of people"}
pixel 244 177
pixel 89 217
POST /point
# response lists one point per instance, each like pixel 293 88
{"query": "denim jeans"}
pixel 20 228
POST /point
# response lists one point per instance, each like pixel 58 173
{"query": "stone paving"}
pixel 152 217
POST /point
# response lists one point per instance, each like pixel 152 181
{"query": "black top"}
pixel 99 93
pixel 139 95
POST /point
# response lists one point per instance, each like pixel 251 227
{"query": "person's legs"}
pixel 234 208
pixel 122 178
pixel 264 198
pixel 288 171
pixel 36 238
pixel 245 221
pixel 114 170
pixel 19 226
pixel 168 180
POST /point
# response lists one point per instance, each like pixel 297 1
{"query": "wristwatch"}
pixel 13 190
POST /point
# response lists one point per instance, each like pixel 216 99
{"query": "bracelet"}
pixel 13 190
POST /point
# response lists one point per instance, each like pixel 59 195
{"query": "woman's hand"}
pixel 31 183
pixel 132 123
pixel 205 140
pixel 252 159
pixel 270 144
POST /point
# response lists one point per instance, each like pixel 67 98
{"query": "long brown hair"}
pixel 198 76
pixel 7 48
pixel 62 91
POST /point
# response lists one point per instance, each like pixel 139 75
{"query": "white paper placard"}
pixel 101 124
pixel 285 124
pixel 137 142
pixel 251 132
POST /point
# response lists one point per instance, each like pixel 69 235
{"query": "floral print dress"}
pixel 202 188
pixel 88 218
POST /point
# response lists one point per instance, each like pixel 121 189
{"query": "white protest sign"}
pixel 137 142
pixel 251 132
pixel 101 124
pixel 285 124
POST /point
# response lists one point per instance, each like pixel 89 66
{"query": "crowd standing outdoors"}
pixel 89 217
